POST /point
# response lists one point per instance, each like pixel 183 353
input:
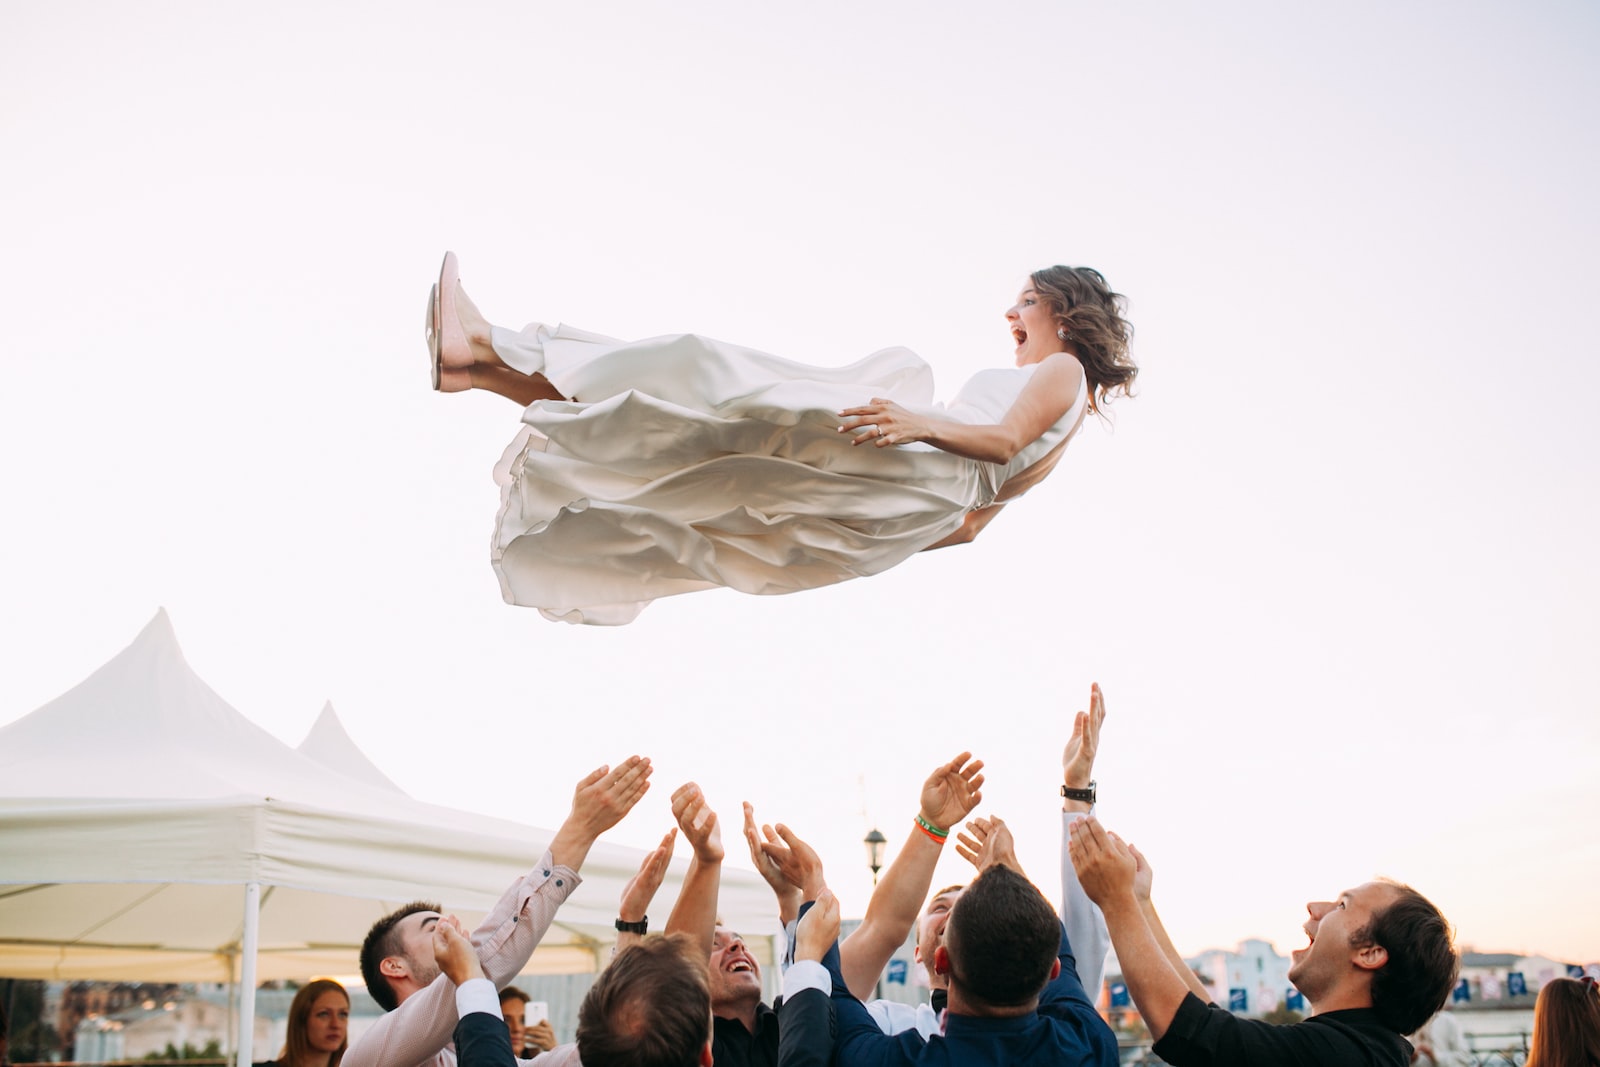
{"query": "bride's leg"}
pixel 488 371
pixel 524 389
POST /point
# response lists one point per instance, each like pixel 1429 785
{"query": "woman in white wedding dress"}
pixel 679 463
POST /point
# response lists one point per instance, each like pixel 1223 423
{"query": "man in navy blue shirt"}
pixel 1015 997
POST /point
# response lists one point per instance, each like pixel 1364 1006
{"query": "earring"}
pixel 1062 333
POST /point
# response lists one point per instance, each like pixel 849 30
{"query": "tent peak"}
pixel 331 745
pixel 144 704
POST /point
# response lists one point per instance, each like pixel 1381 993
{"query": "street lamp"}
pixel 875 842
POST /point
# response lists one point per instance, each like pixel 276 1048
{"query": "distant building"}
pixel 1250 980
pixel 1506 978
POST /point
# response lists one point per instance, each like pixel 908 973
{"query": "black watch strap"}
pixel 1085 795
pixel 640 927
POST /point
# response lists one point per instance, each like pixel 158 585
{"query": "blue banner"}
pixel 1462 992
pixel 1294 1000
pixel 1119 995
pixel 1575 970
pixel 897 972
pixel 1516 985
pixel 1238 1000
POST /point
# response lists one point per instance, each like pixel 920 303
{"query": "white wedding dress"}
pixel 685 463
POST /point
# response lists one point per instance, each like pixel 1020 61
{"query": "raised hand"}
pixel 1107 868
pixel 605 796
pixel 987 842
pixel 453 952
pixel 819 927
pixel 698 823
pixel 796 860
pixel 789 895
pixel 952 791
pixel 601 800
pixel 641 888
pixel 1143 875
pixel 1077 759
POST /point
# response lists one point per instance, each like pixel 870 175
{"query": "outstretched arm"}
pixel 641 889
pixel 948 796
pixel 806 1017
pixel 1049 395
pixel 695 913
pixel 600 802
pixel 481 1038
pixel 1143 878
pixel 1108 871
pixel 1086 927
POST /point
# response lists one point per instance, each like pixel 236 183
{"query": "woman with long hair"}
pixel 1566 1024
pixel 681 463
pixel 319 1026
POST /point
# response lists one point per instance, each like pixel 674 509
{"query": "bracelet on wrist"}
pixel 931 830
pixel 640 927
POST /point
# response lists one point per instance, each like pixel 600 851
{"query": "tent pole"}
pixel 247 972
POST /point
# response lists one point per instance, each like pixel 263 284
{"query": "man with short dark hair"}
pixel 397 937
pixel 650 1008
pixel 398 958
pixel 895 904
pixel 1380 962
pixel 1015 997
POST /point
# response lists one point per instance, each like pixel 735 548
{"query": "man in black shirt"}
pixel 1379 964
pixel 743 1029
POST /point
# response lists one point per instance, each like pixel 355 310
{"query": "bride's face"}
pixel 1033 327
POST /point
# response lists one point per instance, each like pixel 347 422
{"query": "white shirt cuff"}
pixel 806 974
pixel 477 994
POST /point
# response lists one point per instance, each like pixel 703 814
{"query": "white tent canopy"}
pixel 137 808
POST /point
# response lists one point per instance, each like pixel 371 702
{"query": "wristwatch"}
pixel 1086 795
pixel 640 927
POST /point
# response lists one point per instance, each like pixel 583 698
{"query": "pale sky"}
pixel 1334 564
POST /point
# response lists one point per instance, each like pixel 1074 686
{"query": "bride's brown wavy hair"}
pixel 1091 313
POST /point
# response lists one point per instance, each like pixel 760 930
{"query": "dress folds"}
pixel 684 463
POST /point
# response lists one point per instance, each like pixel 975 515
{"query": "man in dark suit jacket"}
pixel 1015 997
pixel 652 1005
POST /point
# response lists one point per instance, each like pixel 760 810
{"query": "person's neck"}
pixel 961 1004
pixel 403 990
pixel 314 1059
pixel 741 1011
pixel 1343 998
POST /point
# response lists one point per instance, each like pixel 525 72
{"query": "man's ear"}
pixel 705 1054
pixel 916 953
pixel 941 960
pixel 1055 970
pixel 392 966
pixel 1371 957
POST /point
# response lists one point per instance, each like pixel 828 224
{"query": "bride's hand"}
pixel 883 423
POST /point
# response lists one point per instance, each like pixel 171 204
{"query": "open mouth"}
pixel 740 967
pixel 1019 334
